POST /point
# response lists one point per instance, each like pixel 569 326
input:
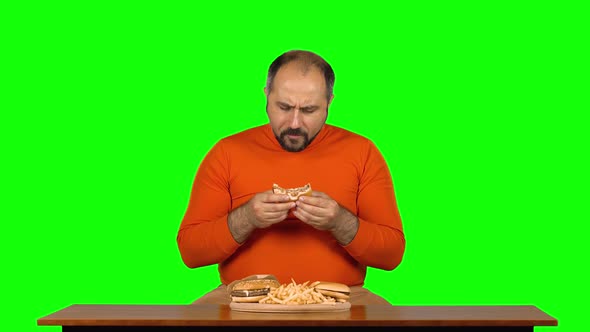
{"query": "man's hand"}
pixel 263 210
pixel 322 212
pixel 266 209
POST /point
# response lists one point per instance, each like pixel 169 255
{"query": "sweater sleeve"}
pixel 380 240
pixel 204 237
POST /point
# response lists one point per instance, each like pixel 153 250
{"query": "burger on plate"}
pixel 252 289
pixel 340 292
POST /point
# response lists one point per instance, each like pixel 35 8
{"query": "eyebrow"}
pixel 305 108
pixel 309 108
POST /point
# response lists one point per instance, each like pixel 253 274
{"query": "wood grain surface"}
pixel 358 315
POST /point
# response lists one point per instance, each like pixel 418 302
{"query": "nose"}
pixel 295 119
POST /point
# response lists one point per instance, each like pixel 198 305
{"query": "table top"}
pixel 358 315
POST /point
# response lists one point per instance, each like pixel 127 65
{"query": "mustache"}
pixel 291 131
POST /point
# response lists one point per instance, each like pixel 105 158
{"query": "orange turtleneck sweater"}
pixel 345 166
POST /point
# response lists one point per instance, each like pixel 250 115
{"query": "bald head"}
pixel 303 61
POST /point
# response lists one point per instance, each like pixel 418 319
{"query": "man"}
pixel 351 221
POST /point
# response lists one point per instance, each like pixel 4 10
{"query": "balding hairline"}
pixel 305 61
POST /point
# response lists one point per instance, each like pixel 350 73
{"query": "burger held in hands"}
pixel 266 289
pixel 293 193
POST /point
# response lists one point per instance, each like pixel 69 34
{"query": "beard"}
pixel 291 145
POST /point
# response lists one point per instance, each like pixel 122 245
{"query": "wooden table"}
pixel 371 317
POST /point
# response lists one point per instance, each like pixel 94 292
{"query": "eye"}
pixel 308 110
pixel 284 107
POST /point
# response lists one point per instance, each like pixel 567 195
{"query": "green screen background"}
pixel 479 109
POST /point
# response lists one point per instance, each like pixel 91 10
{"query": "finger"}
pixel 306 214
pixel 272 207
pixel 307 218
pixel 312 201
pixel 269 197
pixel 272 218
pixel 272 215
pixel 301 215
pixel 272 221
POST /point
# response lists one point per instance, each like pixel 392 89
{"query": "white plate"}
pixel 259 307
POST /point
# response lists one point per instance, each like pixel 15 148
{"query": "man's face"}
pixel 297 106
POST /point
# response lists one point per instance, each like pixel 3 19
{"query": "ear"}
pixel 265 91
pixel 331 98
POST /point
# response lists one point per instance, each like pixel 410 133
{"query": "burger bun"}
pixel 252 289
pixel 333 289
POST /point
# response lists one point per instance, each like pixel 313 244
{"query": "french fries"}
pixel 294 293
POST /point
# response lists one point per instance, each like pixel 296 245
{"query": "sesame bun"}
pixel 249 285
pixel 252 289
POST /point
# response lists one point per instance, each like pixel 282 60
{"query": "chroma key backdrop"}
pixel 480 109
